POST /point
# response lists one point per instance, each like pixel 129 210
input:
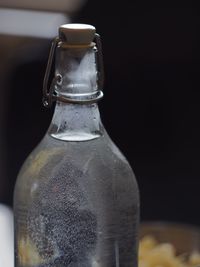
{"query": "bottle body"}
pixel 76 204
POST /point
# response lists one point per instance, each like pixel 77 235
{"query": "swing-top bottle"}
pixel 76 201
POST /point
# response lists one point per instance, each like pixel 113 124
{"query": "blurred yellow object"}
pixel 194 259
pixel 154 254
pixel 28 253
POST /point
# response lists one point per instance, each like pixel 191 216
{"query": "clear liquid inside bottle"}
pixel 81 202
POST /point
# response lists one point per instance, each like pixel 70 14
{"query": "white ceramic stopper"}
pixel 77 34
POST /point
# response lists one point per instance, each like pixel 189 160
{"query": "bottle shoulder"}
pixel 97 155
pixel 96 166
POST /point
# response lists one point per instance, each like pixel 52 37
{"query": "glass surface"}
pixel 76 204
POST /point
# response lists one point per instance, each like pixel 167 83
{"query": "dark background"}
pixel 151 105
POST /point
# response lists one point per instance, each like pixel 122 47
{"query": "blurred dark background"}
pixel 151 106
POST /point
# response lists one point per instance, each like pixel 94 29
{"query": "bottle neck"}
pixel 76 66
pixel 76 122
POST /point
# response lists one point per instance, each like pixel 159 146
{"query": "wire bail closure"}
pixel 49 94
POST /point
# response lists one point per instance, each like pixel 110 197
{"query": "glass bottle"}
pixel 76 200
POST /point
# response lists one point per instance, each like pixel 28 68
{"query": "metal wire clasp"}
pixel 49 94
pixel 100 65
